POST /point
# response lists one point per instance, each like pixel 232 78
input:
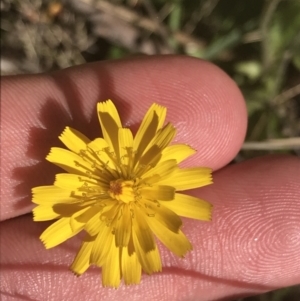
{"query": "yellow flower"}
pixel 122 191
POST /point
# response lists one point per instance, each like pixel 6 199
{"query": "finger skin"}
pixel 252 245
pixel 204 104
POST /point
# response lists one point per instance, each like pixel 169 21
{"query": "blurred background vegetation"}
pixel 257 42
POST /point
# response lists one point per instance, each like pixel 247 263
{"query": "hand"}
pixel 252 244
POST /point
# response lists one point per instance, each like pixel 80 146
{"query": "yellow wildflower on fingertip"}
pixel 123 191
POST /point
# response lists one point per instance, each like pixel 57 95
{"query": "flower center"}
pixel 124 191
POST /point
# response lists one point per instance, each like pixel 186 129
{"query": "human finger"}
pixel 252 245
pixel 203 103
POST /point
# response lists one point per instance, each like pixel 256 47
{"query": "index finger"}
pixel 203 103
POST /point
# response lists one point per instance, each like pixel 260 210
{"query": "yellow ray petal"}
pixel 110 213
pixel 188 206
pixel 176 242
pixel 74 140
pixel 98 144
pixel 123 227
pixel 163 215
pixel 142 230
pixel 109 107
pixel 69 161
pixel 150 261
pixel 82 260
pixel 80 218
pixel 152 122
pixel 44 213
pixel 131 268
pixel 179 152
pixel 50 195
pixel 86 215
pixel 158 192
pixel 67 210
pixel 57 233
pixel 110 123
pixel 101 245
pixel 126 139
pixel 93 226
pixel 189 178
pixel 163 138
pixel 150 159
pixel 160 171
pixel 111 269
pixel 153 258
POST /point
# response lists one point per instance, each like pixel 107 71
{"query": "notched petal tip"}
pixel 44 213
pixel 46 246
pixel 73 139
pixel 74 273
pixel 109 107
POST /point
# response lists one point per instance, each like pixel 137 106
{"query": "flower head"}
pixel 123 191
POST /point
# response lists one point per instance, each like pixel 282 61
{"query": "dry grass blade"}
pixel 273 144
pixel 287 94
pixel 268 11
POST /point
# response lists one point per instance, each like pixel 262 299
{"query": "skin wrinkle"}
pixel 218 266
